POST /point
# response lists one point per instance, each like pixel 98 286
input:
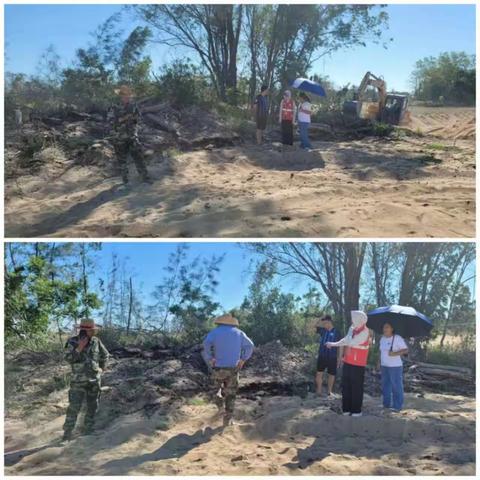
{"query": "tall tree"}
pixel 336 267
pixel 211 31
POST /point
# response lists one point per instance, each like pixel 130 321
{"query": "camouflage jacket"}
pixel 87 365
pixel 125 120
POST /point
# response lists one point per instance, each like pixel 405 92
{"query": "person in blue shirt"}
pixel 261 112
pixel 226 349
pixel 328 358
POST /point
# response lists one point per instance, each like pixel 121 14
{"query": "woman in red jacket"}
pixel 356 343
pixel 287 114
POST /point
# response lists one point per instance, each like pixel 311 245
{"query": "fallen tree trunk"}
pixel 465 370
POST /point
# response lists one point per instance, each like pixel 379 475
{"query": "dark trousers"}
pixel 132 146
pixel 352 388
pixel 287 132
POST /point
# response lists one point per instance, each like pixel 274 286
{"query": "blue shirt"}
pixel 227 345
pixel 262 105
pixel 328 336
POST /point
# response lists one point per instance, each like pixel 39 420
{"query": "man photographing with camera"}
pixel 88 358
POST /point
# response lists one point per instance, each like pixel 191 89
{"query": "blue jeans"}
pixel 392 387
pixel 304 141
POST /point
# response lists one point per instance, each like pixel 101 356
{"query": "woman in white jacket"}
pixel 355 356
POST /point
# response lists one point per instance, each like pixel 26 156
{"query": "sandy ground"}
pixel 434 435
pixel 412 187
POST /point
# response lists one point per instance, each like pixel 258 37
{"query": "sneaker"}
pixel 346 414
pixel 357 414
pixel 227 421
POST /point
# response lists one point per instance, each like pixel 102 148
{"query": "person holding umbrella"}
pixel 304 120
pixel 356 343
pixel 305 108
pixel 396 322
pixel 392 347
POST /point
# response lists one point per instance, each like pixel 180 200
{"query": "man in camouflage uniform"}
pixel 88 358
pixel 226 349
pixel 125 118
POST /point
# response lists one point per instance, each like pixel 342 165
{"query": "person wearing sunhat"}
pixel 126 118
pixel 226 349
pixel 88 358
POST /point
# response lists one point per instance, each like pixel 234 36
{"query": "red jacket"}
pixel 357 356
pixel 287 110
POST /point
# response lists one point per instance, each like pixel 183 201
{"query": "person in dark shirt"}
pixel 328 358
pixel 261 112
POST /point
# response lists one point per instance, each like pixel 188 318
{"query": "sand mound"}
pixel 275 435
pixel 155 419
pixel 446 123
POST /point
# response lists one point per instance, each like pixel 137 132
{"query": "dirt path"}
pixel 434 435
pixel 411 187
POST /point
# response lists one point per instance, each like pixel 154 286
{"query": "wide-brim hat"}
pixel 124 90
pixel 87 324
pixel 226 319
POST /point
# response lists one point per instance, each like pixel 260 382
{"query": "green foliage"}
pixel 269 314
pixel 461 354
pixel 41 292
pixel 382 129
pixel 88 84
pixel 181 83
pixel 446 79
pixel 184 305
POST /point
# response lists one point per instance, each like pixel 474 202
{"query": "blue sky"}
pixel 417 30
pixel 146 262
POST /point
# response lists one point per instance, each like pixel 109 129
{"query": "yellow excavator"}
pixel 388 108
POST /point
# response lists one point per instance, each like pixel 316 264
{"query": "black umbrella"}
pixel 406 321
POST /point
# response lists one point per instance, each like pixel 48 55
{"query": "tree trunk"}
pixel 130 304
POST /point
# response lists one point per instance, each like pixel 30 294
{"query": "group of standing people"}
pixel 290 114
pixel 226 348
pixel 351 353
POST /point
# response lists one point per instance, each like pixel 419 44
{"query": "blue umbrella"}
pixel 308 86
pixel 406 321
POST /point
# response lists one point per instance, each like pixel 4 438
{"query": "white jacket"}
pixel 359 318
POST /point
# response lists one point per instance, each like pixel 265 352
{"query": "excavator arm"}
pixel 370 79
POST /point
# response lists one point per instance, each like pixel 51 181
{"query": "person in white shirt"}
pixel 392 347
pixel 304 120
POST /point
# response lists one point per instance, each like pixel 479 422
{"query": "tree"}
pixel 267 313
pixel 382 262
pixel 448 78
pixel 285 40
pixel 45 287
pixel 211 31
pixel 335 267
pixel 184 305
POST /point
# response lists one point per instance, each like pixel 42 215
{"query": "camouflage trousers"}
pixel 225 380
pixel 130 146
pixel 88 391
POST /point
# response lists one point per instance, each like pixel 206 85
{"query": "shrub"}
pixel 382 129
pixel 182 84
